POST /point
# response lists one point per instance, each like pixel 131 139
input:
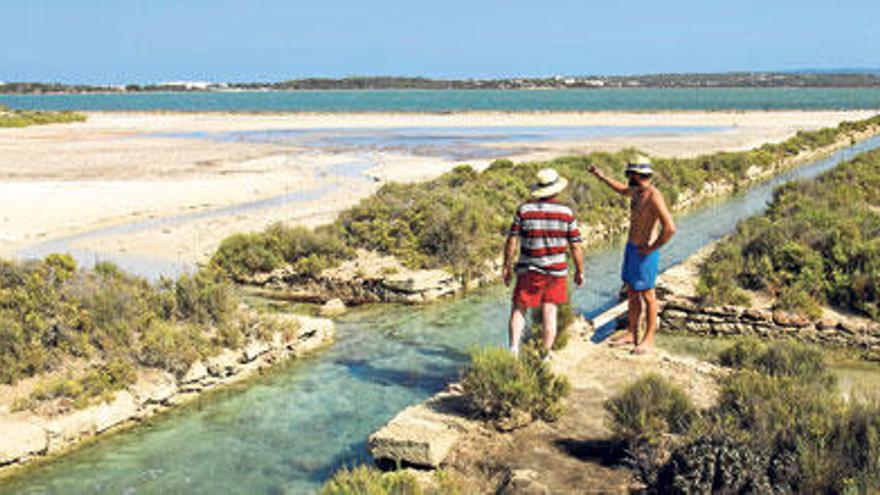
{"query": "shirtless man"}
pixel 647 210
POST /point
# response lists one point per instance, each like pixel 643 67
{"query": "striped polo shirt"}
pixel 545 229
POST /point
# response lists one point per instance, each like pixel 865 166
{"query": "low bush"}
pixel 500 385
pixel 649 409
pixel 367 480
pixel 364 480
pixel 97 383
pixel 786 358
pixel 173 346
pixel 307 251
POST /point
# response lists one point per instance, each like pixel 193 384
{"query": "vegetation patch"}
pixel 500 385
pixel 99 382
pixel 818 244
pixel 51 311
pixel 367 480
pixel 649 409
pixel 25 118
pixel 458 221
pixel 780 425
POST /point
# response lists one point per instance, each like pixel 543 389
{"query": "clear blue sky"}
pixel 116 41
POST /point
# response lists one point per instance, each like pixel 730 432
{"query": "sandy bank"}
pixel 61 180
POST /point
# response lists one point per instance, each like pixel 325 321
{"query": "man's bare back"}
pixel 644 216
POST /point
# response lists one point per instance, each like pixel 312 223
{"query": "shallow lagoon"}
pixel 289 430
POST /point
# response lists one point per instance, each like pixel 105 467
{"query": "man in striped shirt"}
pixel 545 231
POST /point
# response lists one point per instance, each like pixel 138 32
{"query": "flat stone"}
pixel 850 328
pixel 313 334
pixel 122 408
pixel 21 439
pixel 420 435
pixel 70 427
pixel 196 373
pixel 674 314
pixel 254 349
pixel 154 387
pixel 757 314
pixel 419 281
pixel 333 307
pixel 523 482
pixel 826 324
pixel 223 364
pixel 786 319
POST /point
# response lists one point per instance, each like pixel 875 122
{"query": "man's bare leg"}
pixel 647 344
pixel 626 338
pixel 634 316
pixel 548 333
pixel 515 328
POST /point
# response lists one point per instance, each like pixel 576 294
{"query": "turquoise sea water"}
pixel 287 431
pixel 637 99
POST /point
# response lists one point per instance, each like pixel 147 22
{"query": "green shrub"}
pixel 786 358
pixel 777 412
pixel 499 385
pixel 307 251
pixel 98 382
pixel 650 408
pixel 245 254
pixel 363 480
pixel 172 346
pixel 205 297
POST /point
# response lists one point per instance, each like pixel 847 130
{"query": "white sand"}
pixel 65 179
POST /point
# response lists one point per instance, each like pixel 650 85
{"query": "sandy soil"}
pixel 67 179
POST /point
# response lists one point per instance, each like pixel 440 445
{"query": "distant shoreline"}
pixel 771 79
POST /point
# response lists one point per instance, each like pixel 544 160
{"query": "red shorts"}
pixel 533 289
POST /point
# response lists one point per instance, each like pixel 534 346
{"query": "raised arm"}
pixel 618 187
pixel 666 223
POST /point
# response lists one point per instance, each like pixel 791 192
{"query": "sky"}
pixel 119 41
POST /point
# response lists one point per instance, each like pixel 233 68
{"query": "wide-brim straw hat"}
pixel 549 184
pixel 640 165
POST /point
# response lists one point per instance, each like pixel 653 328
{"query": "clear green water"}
pixel 458 100
pixel 287 431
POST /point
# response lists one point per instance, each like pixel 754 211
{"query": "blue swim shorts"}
pixel 639 272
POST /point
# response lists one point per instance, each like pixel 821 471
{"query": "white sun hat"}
pixel 550 183
pixel 640 165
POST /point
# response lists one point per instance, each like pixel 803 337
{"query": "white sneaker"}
pixel 514 351
pixel 548 357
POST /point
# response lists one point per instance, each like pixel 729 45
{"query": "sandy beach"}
pixel 165 186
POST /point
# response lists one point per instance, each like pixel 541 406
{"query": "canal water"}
pixel 287 431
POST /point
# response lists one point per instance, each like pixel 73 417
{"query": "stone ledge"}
pixel 424 434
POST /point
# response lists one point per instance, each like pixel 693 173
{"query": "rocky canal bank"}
pixel 27 436
pixel 681 313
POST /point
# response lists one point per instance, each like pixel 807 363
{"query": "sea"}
pixel 609 99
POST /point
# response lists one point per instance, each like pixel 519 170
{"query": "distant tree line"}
pixel 690 80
